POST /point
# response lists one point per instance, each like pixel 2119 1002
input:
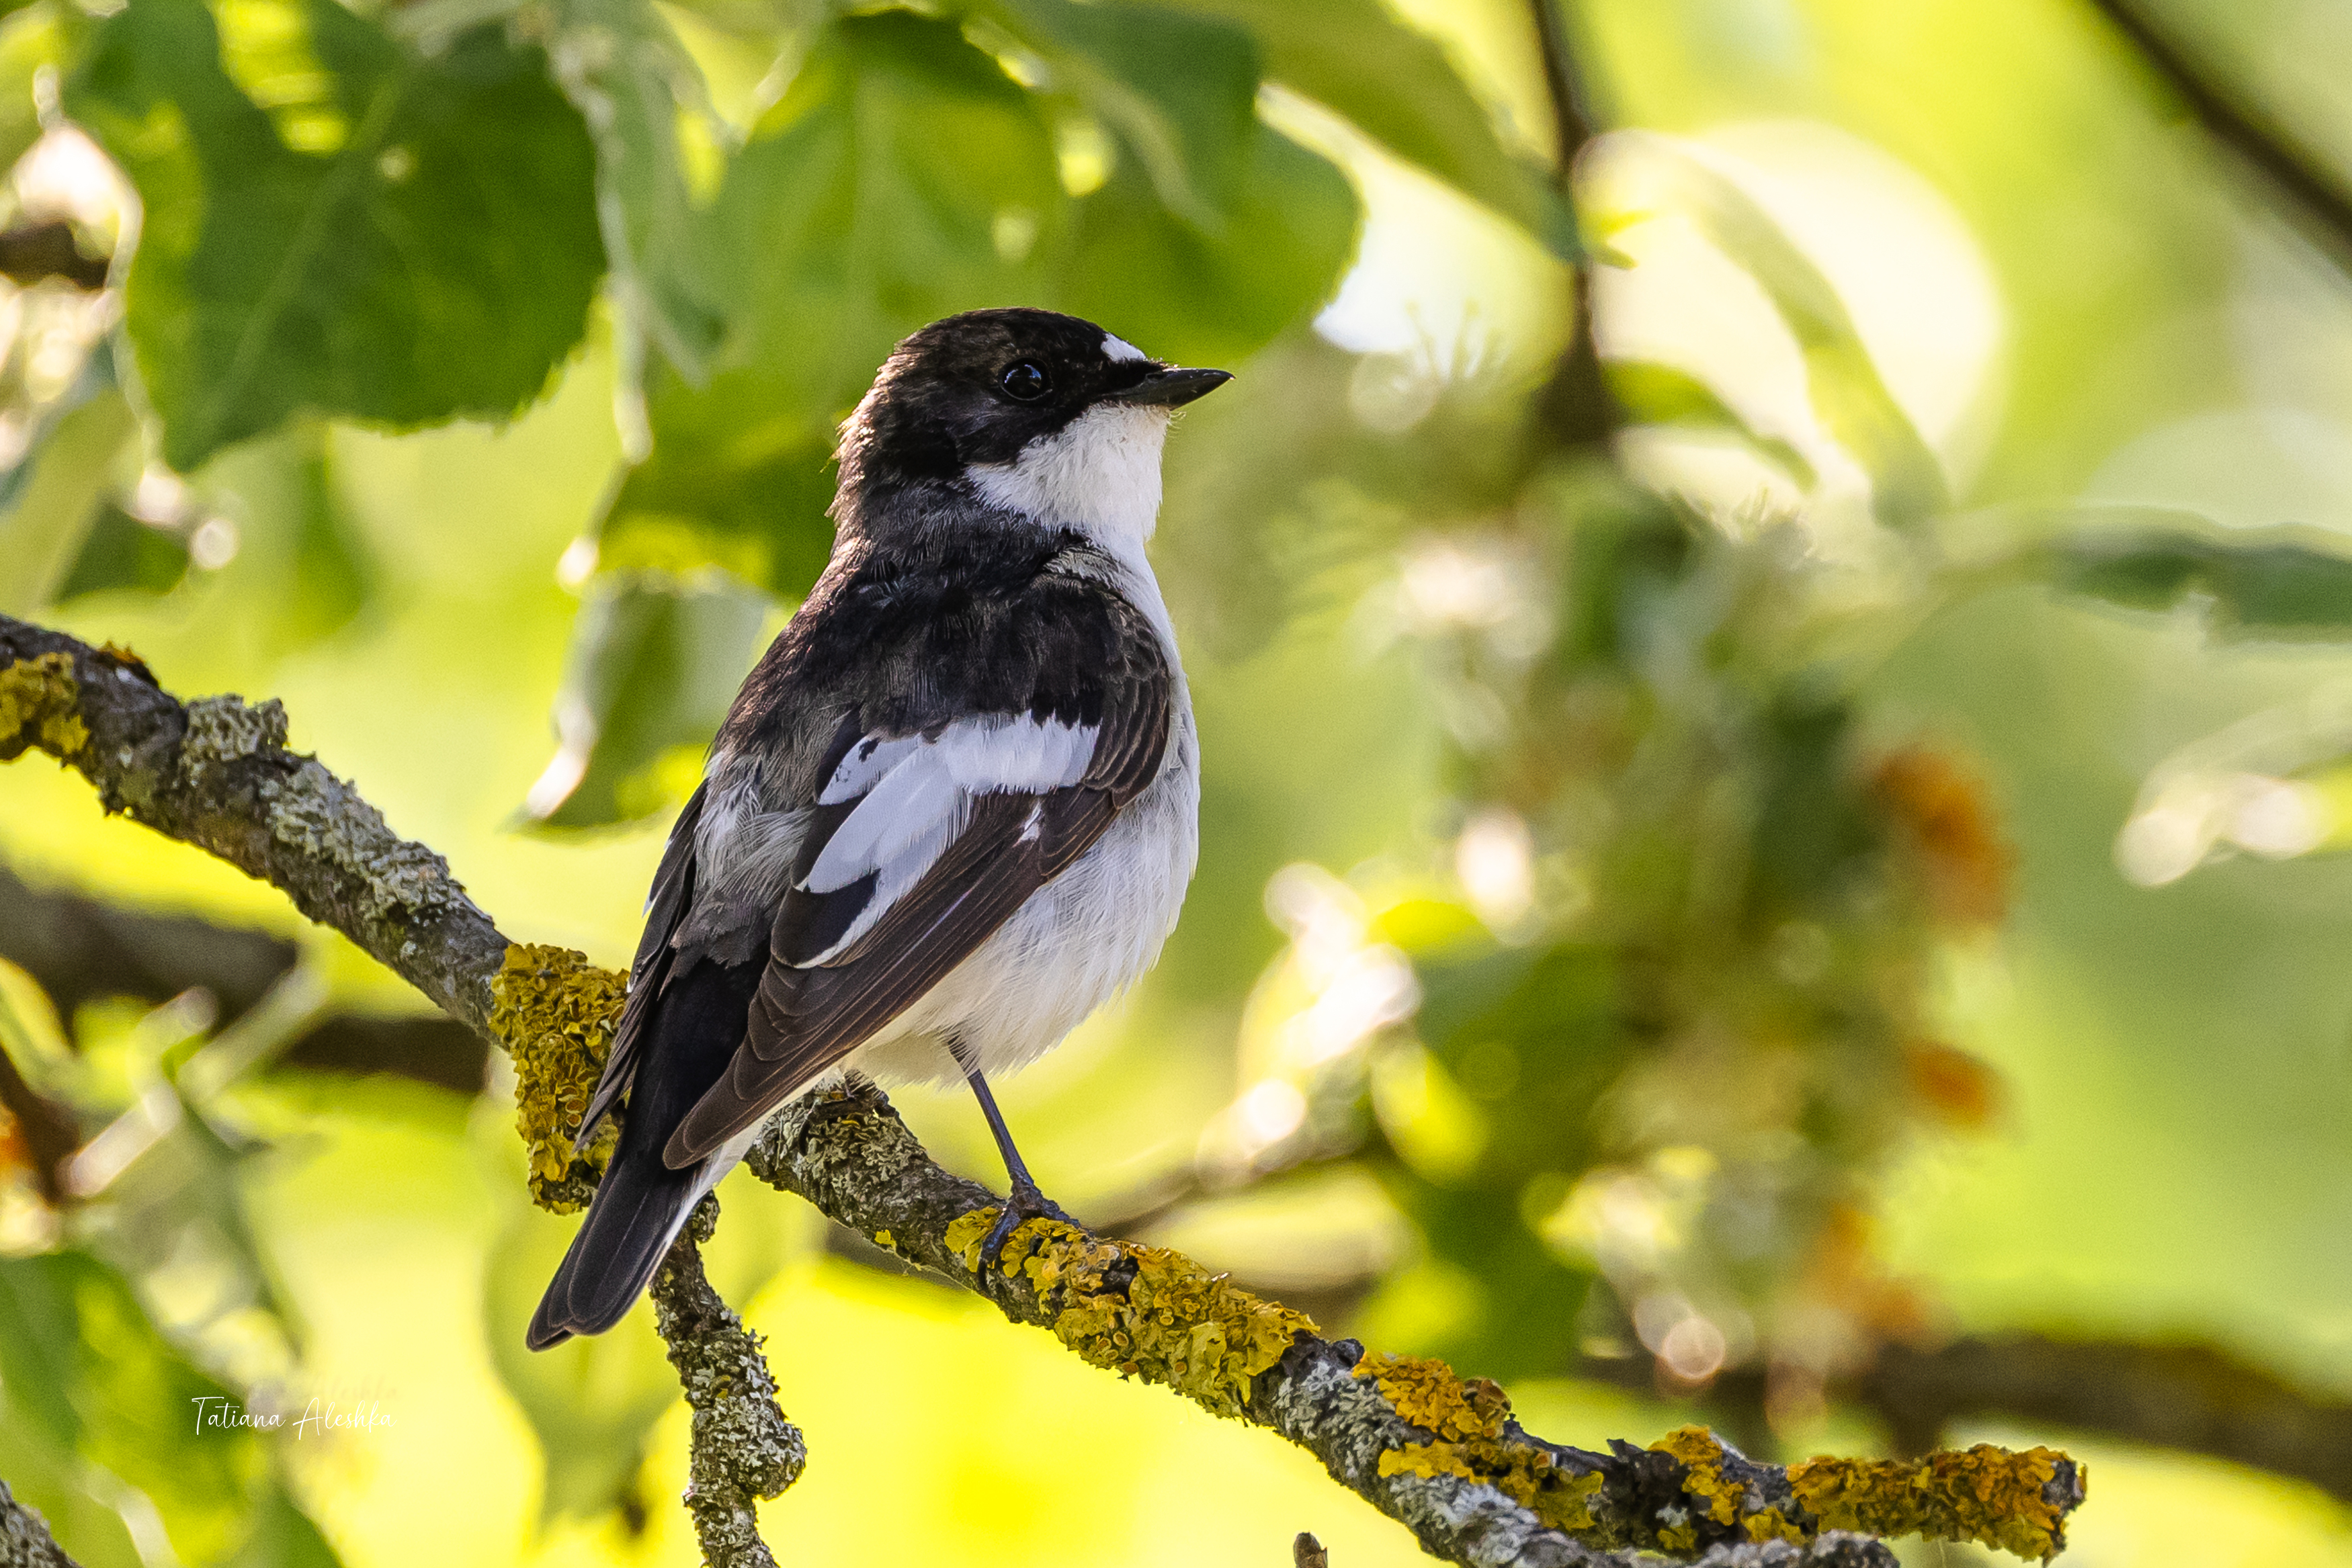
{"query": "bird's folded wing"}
pixel 665 905
pixel 921 846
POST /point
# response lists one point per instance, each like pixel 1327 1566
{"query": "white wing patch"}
pixel 1120 348
pixel 918 795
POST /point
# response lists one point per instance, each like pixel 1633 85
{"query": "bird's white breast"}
pixel 1082 938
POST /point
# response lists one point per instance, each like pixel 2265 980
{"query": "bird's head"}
pixel 1040 414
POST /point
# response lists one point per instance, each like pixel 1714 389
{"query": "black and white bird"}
pixel 955 807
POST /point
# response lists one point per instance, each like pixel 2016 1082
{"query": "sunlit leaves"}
pixel 335 220
pixel 1180 91
pixel 1397 87
pixel 49 495
pixel 655 661
pixel 1188 295
pixel 84 1369
pixel 901 178
pixel 623 68
pixel 1655 393
pixel 1848 395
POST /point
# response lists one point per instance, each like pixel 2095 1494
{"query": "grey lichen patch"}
pixel 227 729
pixel 744 1447
pixel 316 815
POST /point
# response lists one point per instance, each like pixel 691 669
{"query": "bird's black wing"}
pixel 665 905
pixel 931 831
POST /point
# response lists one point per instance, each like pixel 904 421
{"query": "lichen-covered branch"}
pixel 24 1540
pixel 215 773
pixel 1441 1454
pixel 744 1449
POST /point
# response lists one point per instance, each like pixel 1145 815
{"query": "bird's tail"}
pixel 641 1203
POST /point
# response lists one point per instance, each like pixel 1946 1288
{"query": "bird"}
pixel 954 809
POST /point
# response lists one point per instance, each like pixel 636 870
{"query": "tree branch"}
pixel 743 1448
pixel 24 1540
pixel 1438 1453
pixel 2321 195
pixel 2192 1398
pixel 1576 409
pixel 79 949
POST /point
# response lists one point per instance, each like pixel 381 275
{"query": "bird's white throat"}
pixel 1098 474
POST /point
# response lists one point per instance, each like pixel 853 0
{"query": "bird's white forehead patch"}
pixel 1120 348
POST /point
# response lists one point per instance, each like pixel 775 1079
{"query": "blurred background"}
pixel 1774 718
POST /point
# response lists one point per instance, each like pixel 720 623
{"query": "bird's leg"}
pixel 1025 1202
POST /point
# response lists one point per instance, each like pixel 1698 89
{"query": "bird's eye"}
pixel 1026 382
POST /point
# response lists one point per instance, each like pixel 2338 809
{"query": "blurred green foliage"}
pixel 1708 908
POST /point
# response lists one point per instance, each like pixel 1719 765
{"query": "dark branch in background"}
pixel 2189 1397
pixel 1440 1454
pixel 31 252
pixel 215 773
pixel 2319 195
pixel 1578 413
pixel 80 950
pixel 24 1541
pixel 1306 1552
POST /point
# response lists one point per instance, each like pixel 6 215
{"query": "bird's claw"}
pixel 1024 1204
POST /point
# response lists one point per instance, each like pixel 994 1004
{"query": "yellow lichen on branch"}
pixel 39 697
pixel 555 1013
pixel 1721 1497
pixel 1469 1418
pixel 1987 1494
pixel 1143 1312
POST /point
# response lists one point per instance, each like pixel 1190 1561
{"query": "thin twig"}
pixel 2321 195
pixel 1578 413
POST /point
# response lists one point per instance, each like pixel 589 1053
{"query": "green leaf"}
pixel 1180 92
pixel 49 498
pixel 623 68
pixel 1178 294
pixel 655 664
pixel 1395 84
pixel 123 554
pixel 81 1355
pixel 2278 583
pixel 282 1536
pixel 592 1400
pixel 903 177
pixel 300 568
pixel 1848 393
pixel 1652 393
pixel 395 237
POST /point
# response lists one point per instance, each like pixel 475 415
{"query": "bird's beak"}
pixel 1171 388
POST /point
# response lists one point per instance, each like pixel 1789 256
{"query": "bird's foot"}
pixel 1024 1204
